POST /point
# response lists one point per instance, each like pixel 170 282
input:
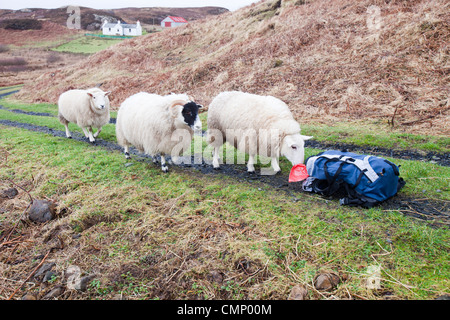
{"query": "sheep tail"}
pixel 62 119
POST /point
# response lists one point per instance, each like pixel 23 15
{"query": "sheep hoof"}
pixel 216 168
pixel 251 172
pixel 127 155
pixel 165 169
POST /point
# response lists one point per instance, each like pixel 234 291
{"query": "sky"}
pixel 114 4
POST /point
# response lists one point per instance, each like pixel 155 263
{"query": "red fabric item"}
pixel 298 173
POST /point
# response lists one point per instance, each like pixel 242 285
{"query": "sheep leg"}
pixel 164 168
pixel 275 165
pixel 215 161
pixel 126 151
pixel 98 132
pixel 85 132
pixel 251 164
pixel 68 135
pixel 91 138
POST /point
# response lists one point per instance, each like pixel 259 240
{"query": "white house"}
pixel 122 29
pixel 172 22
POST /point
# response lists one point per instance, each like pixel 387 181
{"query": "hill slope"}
pixel 327 60
pixel 91 19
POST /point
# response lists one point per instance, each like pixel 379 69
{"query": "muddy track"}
pixel 435 212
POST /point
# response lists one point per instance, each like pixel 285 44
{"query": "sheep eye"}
pixel 294 147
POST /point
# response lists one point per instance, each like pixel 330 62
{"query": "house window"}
pixel 109 29
pixel 130 30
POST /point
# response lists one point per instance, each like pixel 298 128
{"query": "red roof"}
pixel 178 19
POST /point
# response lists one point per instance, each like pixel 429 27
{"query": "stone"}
pixel 55 292
pixel 216 276
pixel 41 211
pixel 28 296
pixel 46 267
pixel 298 292
pixel 74 279
pixel 10 193
pixel 49 275
pixel 326 281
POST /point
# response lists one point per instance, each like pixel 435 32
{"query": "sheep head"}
pixel 186 113
pixel 293 148
pixel 99 99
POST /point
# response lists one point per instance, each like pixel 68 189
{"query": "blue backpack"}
pixel 358 179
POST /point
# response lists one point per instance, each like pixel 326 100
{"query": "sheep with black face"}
pixel 149 123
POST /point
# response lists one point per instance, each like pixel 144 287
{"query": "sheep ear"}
pixel 90 94
pixel 306 137
pixel 107 93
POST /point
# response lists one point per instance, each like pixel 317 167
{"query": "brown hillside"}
pixel 327 59
pixel 91 19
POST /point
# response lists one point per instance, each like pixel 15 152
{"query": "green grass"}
pixel 87 45
pixel 305 236
pixel 376 135
pixel 423 179
pixel 148 234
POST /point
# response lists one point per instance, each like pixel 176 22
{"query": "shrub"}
pixel 21 24
pixel 4 48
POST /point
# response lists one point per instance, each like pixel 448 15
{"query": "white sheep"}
pixel 86 108
pixel 154 123
pixel 254 124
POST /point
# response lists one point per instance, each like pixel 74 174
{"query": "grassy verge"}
pixel 86 45
pixel 185 235
pixel 378 135
pixel 423 179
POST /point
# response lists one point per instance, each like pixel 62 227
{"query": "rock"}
pixel 74 279
pixel 10 193
pixel 49 275
pixel 298 292
pixel 41 211
pixel 326 281
pixel 215 276
pixel 28 296
pixel 55 292
pixel 46 267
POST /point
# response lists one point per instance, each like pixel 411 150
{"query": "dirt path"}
pixel 435 212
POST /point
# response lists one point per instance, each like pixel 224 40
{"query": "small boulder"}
pixel 74 279
pixel 215 276
pixel 46 267
pixel 326 281
pixel 28 296
pixel 42 211
pixel 55 292
pixel 10 193
pixel 298 292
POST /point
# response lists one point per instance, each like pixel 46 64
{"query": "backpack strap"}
pixel 363 165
